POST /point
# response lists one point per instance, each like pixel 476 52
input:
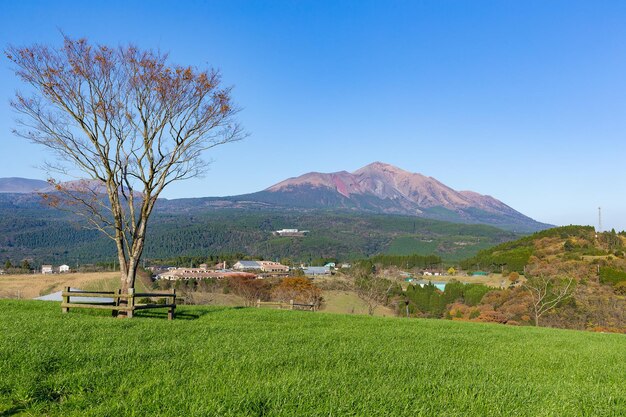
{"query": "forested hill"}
pixel 29 230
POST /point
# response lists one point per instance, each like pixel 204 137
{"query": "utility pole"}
pixel 599 219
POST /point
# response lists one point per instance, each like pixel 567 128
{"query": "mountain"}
pixel 384 188
pixel 21 185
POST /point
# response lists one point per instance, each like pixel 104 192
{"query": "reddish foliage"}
pixel 298 289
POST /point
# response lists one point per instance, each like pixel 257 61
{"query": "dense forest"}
pixel 43 235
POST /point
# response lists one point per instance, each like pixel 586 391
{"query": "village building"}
pixel 316 270
pixel 64 268
pixel 263 266
pixel 290 232
pixel 268 266
pixel 200 273
pixel 247 266
pixel 47 269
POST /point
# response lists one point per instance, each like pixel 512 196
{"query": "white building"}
pixel 316 270
pixel 46 269
pixel 64 268
pixel 264 266
pixel 290 232
pixel 247 266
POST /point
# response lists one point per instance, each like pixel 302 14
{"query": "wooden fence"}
pixel 291 305
pixel 121 302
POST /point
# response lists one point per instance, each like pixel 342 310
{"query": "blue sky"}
pixel 524 100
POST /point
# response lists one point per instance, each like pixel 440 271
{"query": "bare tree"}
pixel 547 292
pixel 125 119
pixel 373 290
pixel 249 289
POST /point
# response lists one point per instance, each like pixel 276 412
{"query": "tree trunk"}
pixel 128 273
pixel 371 308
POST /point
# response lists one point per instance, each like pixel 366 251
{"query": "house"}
pixel 46 269
pixel 200 273
pixel 247 266
pixel 264 266
pixel 316 270
pixel 64 268
pixel 2 272
pixel 330 265
pixel 268 266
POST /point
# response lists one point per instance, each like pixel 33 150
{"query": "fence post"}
pixel 172 308
pixel 290 304
pixel 66 300
pixel 258 303
pixel 130 303
pixel 116 301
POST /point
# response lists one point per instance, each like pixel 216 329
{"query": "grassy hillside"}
pixel 252 362
pixel 567 242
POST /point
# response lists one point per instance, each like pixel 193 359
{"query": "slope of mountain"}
pixel 21 185
pixel 31 230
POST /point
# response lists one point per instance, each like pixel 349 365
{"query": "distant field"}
pixel 450 248
pixel 214 361
pixel 34 285
pixel 491 280
pixel 347 302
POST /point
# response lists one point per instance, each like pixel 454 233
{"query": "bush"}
pixel 300 290
pixel 611 275
pixel 474 293
pixel 620 288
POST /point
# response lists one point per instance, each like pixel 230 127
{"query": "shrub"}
pixel 611 275
pixel 473 293
pixel 298 289
pixel 620 288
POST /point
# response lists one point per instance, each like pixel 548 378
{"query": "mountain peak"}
pixel 380 167
pixel 386 188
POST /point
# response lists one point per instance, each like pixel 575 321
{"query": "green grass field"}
pixel 254 362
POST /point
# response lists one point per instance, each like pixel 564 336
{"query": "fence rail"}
pixel 121 302
pixel 289 306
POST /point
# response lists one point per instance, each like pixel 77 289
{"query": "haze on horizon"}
pixel 525 101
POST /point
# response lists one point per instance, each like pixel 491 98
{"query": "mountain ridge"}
pixel 381 187
pixel 19 185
